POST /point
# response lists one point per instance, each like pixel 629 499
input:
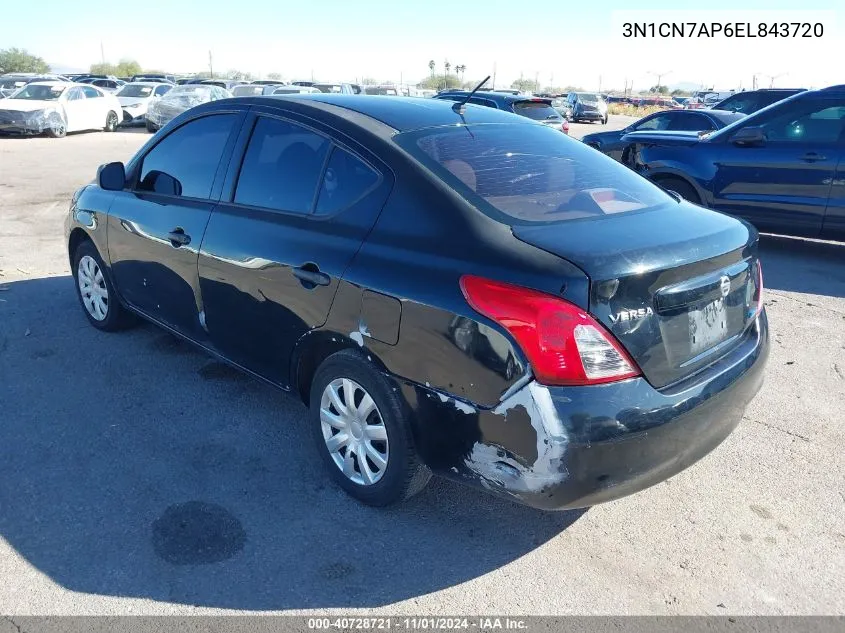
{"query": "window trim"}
pixel 136 165
pixel 239 155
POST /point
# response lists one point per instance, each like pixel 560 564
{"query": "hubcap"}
pixel 354 431
pixel 92 288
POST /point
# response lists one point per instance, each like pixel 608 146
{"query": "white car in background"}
pixel 58 107
pixel 135 99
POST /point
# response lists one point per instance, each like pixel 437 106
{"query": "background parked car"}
pixel 535 108
pixel 226 84
pixel 294 90
pixel 344 89
pixel 10 82
pixel 109 85
pixel 611 143
pixel 561 104
pixel 781 168
pixel 587 106
pixel 253 89
pixel 178 99
pixel 135 99
pixel 154 77
pixel 58 107
pixel 750 101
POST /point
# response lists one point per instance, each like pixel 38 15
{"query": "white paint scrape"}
pixel 552 441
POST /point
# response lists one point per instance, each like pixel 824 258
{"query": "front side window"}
pixel 185 162
pixel 347 180
pixel 657 122
pixel 521 174
pixel 806 121
pixel 691 122
pixel 161 90
pixel 282 167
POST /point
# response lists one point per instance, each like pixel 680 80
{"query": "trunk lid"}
pixel 676 285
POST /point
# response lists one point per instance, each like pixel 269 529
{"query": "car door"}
pixel 782 184
pixel 156 225
pixel 834 218
pixel 94 105
pixel 292 217
pixel 75 109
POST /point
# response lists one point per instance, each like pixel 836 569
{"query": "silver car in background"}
pixel 135 99
pixel 178 99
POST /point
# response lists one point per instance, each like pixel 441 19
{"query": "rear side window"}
pixel 690 122
pixel 537 110
pixel 522 174
pixel 347 180
pixel 282 167
pixel 185 161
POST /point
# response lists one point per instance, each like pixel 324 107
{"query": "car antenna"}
pixel 459 105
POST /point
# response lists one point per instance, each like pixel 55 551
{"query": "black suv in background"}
pixel 753 100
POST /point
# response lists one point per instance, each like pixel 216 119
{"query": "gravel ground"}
pixel 139 476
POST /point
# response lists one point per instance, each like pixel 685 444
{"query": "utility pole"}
pixel 660 77
pixel 599 84
pixel 210 66
pixel 494 75
pixel 102 53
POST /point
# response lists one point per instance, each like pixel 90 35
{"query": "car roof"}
pixel 409 113
pixel 55 82
pixel 151 84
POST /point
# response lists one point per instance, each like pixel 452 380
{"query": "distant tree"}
pixel 677 92
pixel 103 69
pixel 276 76
pixel 659 90
pixel 431 67
pixel 127 68
pixel 437 83
pixel 18 60
pixel 525 84
pixel 369 81
pixel 572 89
pixel 238 74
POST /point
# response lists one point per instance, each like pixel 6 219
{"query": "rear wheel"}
pixel 151 128
pixel 682 188
pixel 604 121
pixel 362 433
pixel 111 122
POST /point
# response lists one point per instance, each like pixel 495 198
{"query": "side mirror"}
pixel 111 177
pixel 749 136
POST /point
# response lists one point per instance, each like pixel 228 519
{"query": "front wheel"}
pixel 604 121
pixel 96 292
pixel 682 188
pixel 152 129
pixel 111 122
pixel 57 127
pixel 360 426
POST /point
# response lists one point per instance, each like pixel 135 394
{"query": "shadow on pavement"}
pixel 799 265
pixel 135 466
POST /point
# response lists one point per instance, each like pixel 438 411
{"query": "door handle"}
pixel 178 238
pixel 311 275
pixel 812 156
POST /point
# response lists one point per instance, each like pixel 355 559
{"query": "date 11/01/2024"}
pixel 720 29
pixel 418 624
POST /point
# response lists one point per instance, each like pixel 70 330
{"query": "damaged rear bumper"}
pixel 568 447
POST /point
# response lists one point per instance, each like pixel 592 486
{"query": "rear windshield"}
pixel 249 89
pixel 522 174
pixel 537 110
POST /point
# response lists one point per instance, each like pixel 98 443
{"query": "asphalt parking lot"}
pixel 139 476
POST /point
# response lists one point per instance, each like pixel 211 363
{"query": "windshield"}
pixel 328 87
pixel 135 91
pixel 38 92
pixel 537 110
pixel 588 97
pixel 521 174
pixel 246 90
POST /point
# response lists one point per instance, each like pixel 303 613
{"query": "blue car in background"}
pixel 781 168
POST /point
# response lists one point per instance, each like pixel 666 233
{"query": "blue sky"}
pixel 390 39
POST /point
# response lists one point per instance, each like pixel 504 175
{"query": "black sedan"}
pixel 611 143
pixel 460 292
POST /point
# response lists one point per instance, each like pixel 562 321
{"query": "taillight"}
pixel 563 343
pixel 565 127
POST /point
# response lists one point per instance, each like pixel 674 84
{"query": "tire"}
pixel 111 122
pixel 682 188
pixel 58 128
pixel 604 121
pixel 152 129
pixel 87 264
pixel 403 475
